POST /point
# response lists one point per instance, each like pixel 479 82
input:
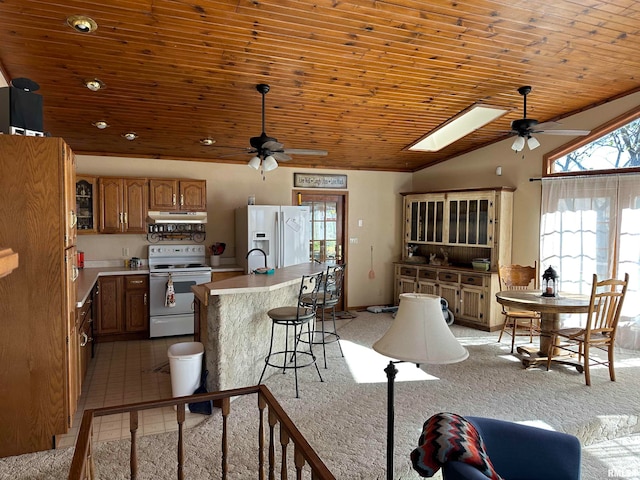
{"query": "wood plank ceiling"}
pixel 361 79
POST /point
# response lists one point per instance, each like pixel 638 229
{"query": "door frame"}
pixel 296 199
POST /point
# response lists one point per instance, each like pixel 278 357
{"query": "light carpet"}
pixel 344 417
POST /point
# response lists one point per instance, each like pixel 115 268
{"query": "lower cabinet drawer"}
pixel 477 280
pixel 449 277
pixel 408 271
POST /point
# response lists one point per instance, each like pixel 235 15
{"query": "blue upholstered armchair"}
pixel 520 452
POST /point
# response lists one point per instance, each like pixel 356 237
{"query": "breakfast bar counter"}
pixel 232 322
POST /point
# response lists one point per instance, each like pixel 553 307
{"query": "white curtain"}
pixel 592 225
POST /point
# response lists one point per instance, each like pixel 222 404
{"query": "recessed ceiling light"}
pixel 100 124
pixel 130 135
pixel 460 125
pixel 82 24
pixel 207 141
pixel 94 84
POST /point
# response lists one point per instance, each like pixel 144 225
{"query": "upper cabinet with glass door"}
pixel 471 219
pixel 458 218
pixel 424 218
pixel 86 197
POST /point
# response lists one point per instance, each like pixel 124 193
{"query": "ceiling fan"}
pixel 525 127
pixel 266 150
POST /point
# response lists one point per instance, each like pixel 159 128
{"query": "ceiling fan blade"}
pixel 272 145
pixel 281 156
pixel 564 132
pixel 545 125
pixel 305 151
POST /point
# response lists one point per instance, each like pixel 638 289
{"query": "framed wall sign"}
pixel 319 180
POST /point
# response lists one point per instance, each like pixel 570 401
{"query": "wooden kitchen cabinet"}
pixel 37 194
pixel 84 322
pixel 123 205
pixel 168 195
pixel 136 304
pixel 110 309
pixel 123 308
pixel 86 203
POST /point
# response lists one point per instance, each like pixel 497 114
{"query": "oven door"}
pixel 182 283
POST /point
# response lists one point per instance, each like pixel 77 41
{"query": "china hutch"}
pixel 443 233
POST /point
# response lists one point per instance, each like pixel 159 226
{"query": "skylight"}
pixel 462 124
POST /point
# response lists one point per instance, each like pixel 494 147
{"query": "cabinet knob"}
pixel 84 340
pixel 145 298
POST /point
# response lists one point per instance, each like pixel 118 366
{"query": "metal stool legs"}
pixel 333 336
pixel 289 355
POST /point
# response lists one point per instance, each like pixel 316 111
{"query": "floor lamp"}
pixel 419 334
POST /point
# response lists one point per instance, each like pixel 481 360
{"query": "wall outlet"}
pixel 125 251
pixel 353 240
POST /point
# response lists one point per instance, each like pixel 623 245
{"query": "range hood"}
pixel 177 217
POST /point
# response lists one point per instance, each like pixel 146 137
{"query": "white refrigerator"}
pixel 283 233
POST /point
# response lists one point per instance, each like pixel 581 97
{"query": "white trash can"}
pixel 185 365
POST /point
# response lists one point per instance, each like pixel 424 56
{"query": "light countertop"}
pixel 261 282
pixel 88 277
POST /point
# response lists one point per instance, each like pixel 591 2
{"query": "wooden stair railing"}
pixel 82 465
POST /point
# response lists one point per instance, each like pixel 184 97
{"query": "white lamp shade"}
pixel 269 163
pixel 419 333
pixel 532 143
pixel 254 163
pixel 518 144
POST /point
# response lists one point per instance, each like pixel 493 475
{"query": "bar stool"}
pixel 295 317
pixel 327 299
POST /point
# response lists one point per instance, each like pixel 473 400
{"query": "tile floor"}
pixel 128 372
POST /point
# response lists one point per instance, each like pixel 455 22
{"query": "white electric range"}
pixel 186 266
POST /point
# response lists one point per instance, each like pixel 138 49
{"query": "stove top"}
pixel 178 258
pixel 185 266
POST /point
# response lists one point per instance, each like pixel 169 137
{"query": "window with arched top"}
pixel 611 148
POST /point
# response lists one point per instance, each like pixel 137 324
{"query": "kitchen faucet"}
pixel 259 250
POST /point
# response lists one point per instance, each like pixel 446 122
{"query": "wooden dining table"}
pixel 550 309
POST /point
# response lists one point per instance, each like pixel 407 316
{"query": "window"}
pixel 613 147
pixel 591 224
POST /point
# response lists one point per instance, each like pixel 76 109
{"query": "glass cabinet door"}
pixel 470 221
pixel 86 203
pixel 425 219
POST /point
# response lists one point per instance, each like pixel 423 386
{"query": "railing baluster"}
pixel 180 415
pixel 133 457
pixel 226 408
pixel 272 441
pixel 262 404
pixel 284 441
pixel 299 461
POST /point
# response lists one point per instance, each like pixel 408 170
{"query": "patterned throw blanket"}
pixel 450 437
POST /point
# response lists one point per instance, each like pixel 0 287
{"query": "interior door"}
pixel 328 228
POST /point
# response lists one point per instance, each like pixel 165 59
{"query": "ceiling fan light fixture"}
pixel 463 123
pixel 269 163
pixel 518 144
pixel 254 163
pixel 532 143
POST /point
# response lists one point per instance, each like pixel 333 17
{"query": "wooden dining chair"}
pixel 516 322
pixel 599 331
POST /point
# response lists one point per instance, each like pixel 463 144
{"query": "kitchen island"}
pixel 232 322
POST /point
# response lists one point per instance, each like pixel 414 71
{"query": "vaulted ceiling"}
pixel 362 79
